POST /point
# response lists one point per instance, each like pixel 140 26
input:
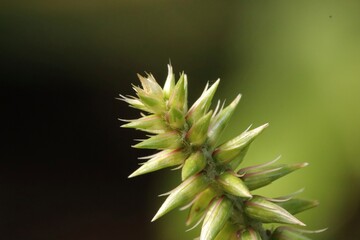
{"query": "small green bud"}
pixel 163 159
pixel 193 165
pixel 265 211
pixel 216 217
pixel 135 103
pixel 249 234
pixel 233 148
pixel 220 121
pixel 201 203
pixel 286 233
pixel 297 205
pixel 169 83
pixel 175 118
pixel 178 98
pixel 257 178
pixel 198 132
pixel 201 106
pixel 151 124
pixel 182 194
pixel 167 140
pixel 233 185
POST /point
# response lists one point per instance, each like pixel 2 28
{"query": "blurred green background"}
pixel 65 160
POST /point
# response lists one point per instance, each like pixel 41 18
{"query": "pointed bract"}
pixel 169 83
pixel 163 159
pixel 232 149
pixel 167 140
pixel 286 233
pixel 220 121
pixel 201 106
pixel 255 179
pixel 216 217
pixel 178 99
pixel 197 134
pixel 182 194
pixel 151 124
pixel 175 118
pixel 297 205
pixel 267 212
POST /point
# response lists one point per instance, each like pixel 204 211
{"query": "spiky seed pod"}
pixel 214 185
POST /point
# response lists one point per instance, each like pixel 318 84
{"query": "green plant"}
pixel 215 187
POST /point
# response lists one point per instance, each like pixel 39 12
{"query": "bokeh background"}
pixel 65 161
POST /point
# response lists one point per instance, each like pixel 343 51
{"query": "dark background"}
pixel 64 158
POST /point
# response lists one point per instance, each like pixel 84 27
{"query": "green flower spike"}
pixel 215 187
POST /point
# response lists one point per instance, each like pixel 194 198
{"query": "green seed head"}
pixel 215 187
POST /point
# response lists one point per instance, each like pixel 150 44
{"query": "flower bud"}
pixel 201 106
pixel 257 178
pixel 233 185
pixel 297 205
pixel 169 83
pixel 175 118
pixel 182 194
pixel 218 214
pixel 286 233
pixel 135 103
pixel 151 124
pixel 201 203
pixel 178 98
pixel 167 140
pixel 193 165
pixel 220 121
pixel 233 148
pixel 249 234
pixel 198 132
pixel 265 211
pixel 163 159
